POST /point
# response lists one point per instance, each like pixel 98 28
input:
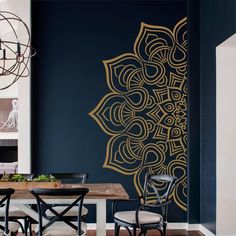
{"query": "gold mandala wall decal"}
pixel 145 114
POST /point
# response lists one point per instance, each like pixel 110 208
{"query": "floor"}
pixel 154 233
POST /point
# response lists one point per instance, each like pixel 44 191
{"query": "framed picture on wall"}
pixel 8 114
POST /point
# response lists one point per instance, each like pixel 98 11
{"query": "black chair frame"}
pixel 70 176
pixel 65 176
pixel 162 203
pixel 27 219
pixel 5 201
pixel 79 192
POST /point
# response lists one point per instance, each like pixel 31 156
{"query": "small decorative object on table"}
pixel 20 182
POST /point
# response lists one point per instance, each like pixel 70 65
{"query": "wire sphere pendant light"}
pixel 15 49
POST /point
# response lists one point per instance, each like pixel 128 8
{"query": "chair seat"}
pixel 62 229
pixel 145 217
pixel 13 212
pixel 13 227
pixel 72 212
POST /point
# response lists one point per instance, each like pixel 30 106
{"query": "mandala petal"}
pixel 108 114
pixel 178 54
pixel 123 73
pixel 168 121
pixel 175 94
pixel 180 33
pixel 153 155
pixel 137 99
pixel 153 43
pixel 153 72
pixel 168 107
pixel 118 156
pixel 137 129
pixel 161 132
pixel 176 133
pixel 177 81
pixel 176 146
pixel 178 168
pixel 162 94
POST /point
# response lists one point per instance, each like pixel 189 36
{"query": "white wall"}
pixel 24 144
pixel 11 6
pixel 21 89
pixel 226 138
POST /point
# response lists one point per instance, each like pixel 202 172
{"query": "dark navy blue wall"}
pixel 217 22
pixel 68 79
pixel 64 88
pixel 193 113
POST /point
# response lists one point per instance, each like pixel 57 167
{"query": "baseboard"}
pixel 177 226
pixel 193 227
pixel 186 226
pixel 92 226
pixel 205 231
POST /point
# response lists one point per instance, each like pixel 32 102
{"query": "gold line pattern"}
pixel 145 114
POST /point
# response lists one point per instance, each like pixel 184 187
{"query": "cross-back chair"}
pixel 59 224
pixel 15 214
pixel 78 178
pixel 6 227
pixel 157 192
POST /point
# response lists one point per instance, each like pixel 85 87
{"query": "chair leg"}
pixel 25 226
pixel 117 229
pixel 164 228
pixel 127 228
pixel 161 232
pixel 30 227
pixel 134 231
pixel 144 233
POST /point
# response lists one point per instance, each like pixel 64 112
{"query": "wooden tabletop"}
pixel 98 191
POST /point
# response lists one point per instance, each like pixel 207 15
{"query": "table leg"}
pixel 101 208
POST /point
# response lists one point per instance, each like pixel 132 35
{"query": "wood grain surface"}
pixel 101 190
pixel 26 185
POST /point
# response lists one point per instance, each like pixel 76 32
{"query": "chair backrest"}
pixel 78 195
pixel 159 186
pixel 5 195
pixel 72 177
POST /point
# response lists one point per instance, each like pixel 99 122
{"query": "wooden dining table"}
pixel 98 194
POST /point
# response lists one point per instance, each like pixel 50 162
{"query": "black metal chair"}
pixel 146 215
pixel 78 178
pixel 16 214
pixel 59 225
pixel 7 227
